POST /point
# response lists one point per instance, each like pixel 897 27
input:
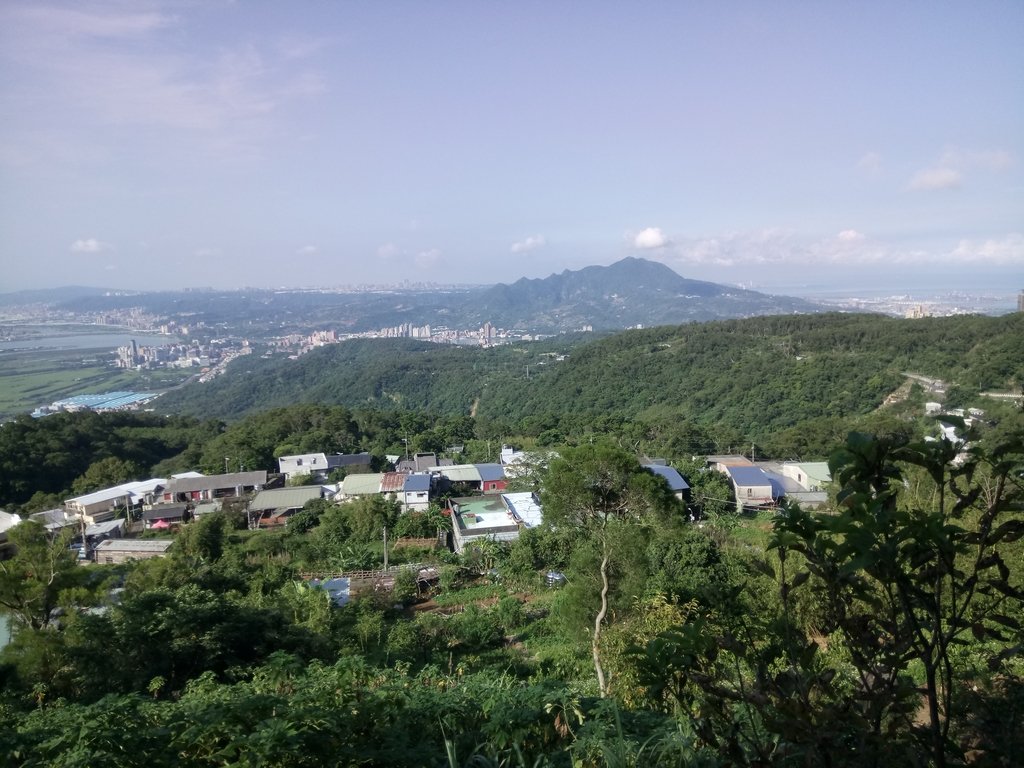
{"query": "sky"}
pixel 785 145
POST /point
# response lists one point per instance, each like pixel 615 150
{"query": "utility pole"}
pixel 226 460
pixel 385 547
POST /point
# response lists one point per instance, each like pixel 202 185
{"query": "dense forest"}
pixel 793 384
pixel 882 629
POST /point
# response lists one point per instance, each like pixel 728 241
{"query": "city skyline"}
pixel 160 144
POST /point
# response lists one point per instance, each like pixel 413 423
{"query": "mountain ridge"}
pixel 631 292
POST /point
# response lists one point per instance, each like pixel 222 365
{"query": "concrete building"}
pixel 273 507
pixel 98 506
pixel 752 486
pixel 320 465
pixel 498 517
pixel 113 551
pixel 206 487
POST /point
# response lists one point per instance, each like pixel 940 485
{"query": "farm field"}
pixel 31 378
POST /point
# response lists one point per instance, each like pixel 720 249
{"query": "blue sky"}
pixel 205 143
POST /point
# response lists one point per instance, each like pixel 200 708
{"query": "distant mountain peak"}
pixel 631 291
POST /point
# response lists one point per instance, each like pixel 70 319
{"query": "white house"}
pixel 752 486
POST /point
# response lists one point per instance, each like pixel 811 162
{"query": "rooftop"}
pixel 672 477
pixel 480 514
pixel 525 508
pixel 748 475
pixel 357 485
pixel 134 545
pixel 203 483
pixel 285 498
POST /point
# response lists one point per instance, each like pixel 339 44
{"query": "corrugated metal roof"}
pixel 816 470
pixel 525 507
pixel 98 529
pixel 211 482
pixel 359 485
pixel 392 482
pixel 673 478
pixel 490 472
pixel 416 483
pixel 749 476
pixel 462 473
pixel 348 459
pixel 285 498
pixel 165 512
pixel 133 489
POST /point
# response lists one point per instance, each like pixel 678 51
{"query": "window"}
pixel 750 492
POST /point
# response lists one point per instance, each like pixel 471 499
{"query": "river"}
pixel 55 337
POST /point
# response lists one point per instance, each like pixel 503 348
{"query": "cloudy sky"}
pixel 213 143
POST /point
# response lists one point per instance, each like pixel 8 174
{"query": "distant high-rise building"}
pixel 1020 301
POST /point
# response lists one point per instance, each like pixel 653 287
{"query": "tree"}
pixel 104 474
pixel 367 516
pixel 912 565
pixel 31 582
pixel 597 490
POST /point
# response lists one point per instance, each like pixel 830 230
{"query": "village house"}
pixel 163 516
pixel 497 517
pixel 100 505
pixel 113 551
pixel 273 507
pixel 753 488
pixel 206 487
pixel 421 462
pixel 412 491
pixel 679 487
pixel 319 466
pixel 486 478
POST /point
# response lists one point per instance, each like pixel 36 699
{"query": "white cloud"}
pixel 1007 250
pixel 114 65
pixel 428 258
pixel 780 248
pixel 936 178
pixel 651 237
pixel 531 243
pixel 307 250
pixel 871 162
pixel 89 245
pixel 955 163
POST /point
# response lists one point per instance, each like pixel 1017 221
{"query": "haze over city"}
pixel 155 145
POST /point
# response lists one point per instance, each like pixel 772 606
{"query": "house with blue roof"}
pixel 416 492
pixel 679 487
pixel 753 487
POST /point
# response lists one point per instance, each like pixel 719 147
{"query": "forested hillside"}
pixel 376 373
pixel 883 631
pixel 793 384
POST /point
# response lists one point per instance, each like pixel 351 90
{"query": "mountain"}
pixel 632 292
pixel 629 292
